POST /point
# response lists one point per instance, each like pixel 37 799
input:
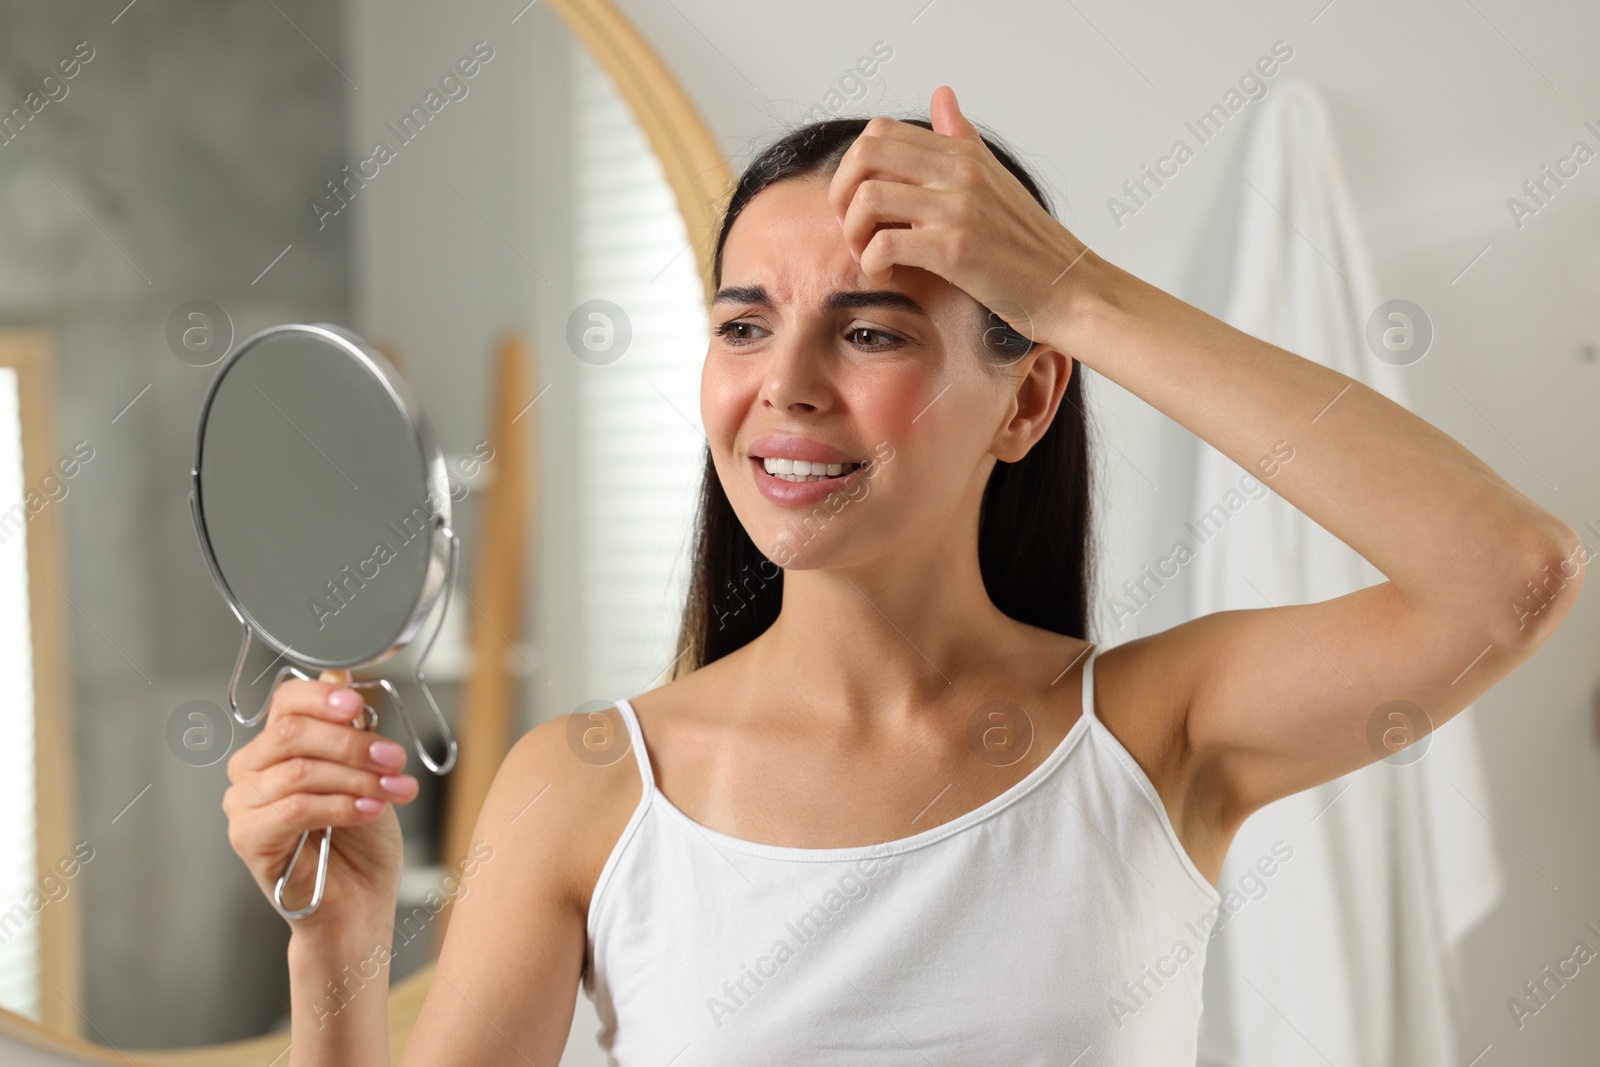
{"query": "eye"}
pixel 862 337
pixel 728 331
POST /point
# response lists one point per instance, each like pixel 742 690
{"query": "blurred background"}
pixel 202 152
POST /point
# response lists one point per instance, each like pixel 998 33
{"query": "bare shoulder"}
pixel 568 787
pixel 579 777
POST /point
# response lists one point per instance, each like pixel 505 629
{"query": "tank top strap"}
pixel 1088 683
pixel 630 719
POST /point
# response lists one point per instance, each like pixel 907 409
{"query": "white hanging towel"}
pixel 1346 953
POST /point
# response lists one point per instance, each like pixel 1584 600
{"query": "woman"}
pixel 894 808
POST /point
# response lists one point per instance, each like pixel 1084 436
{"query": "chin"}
pixel 797 548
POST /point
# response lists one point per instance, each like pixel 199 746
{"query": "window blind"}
pixel 640 448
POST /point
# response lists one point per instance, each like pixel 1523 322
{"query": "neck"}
pixel 896 633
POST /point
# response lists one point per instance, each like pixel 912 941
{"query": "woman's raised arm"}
pixel 1262 702
pixel 1279 698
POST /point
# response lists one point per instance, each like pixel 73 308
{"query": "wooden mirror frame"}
pixel 702 181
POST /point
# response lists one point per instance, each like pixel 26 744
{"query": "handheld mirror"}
pixel 322 506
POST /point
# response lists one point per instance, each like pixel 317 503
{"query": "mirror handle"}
pixel 322 875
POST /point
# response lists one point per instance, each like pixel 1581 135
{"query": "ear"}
pixel 947 118
pixel 1035 403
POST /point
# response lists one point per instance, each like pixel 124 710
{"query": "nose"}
pixel 796 377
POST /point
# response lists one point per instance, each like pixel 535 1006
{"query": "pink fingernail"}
pixel 840 220
pixel 387 753
pixel 395 783
pixel 344 699
pixel 368 805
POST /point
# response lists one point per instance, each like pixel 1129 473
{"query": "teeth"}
pixel 799 470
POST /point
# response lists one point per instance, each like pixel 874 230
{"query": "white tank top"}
pixel 1059 923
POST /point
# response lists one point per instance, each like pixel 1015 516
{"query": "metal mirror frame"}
pixel 439 577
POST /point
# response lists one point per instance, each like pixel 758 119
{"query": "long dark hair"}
pixel 1034 543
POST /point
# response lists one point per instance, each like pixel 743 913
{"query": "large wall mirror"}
pixel 569 173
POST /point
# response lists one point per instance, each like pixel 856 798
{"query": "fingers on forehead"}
pixel 898 160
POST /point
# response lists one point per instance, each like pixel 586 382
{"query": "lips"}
pixel 795 471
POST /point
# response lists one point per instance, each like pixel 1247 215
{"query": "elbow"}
pixel 1544 584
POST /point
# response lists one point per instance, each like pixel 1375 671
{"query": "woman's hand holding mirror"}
pixel 322 508
pixel 311 767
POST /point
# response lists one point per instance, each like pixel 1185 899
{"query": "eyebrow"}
pixel 838 300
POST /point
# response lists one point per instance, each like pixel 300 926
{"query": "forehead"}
pixel 787 240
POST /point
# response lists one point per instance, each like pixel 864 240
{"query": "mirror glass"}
pixel 315 497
